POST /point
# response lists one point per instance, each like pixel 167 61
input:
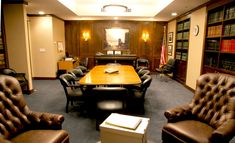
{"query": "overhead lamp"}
pixel 115 8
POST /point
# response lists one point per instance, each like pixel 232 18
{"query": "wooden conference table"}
pixel 123 75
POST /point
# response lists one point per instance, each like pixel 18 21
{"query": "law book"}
pixel 123 121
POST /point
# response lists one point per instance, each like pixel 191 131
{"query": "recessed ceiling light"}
pixel 115 18
pixel 173 13
pixel 41 12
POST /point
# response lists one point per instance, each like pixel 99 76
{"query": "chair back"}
pixel 146 81
pixel 214 99
pixel 77 73
pixel 66 81
pixel 142 62
pixel 169 67
pixel 110 94
pixel 8 71
pixel 13 108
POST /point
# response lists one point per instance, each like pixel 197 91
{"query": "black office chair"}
pixel 142 63
pixel 143 72
pixel 109 100
pixel 137 95
pixel 167 69
pixel 83 65
pixel 77 73
pixel 73 91
pixel 19 76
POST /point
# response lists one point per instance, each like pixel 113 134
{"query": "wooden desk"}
pixel 67 65
pixel 126 76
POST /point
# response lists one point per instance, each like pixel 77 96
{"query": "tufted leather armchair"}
pixel 209 118
pixel 18 124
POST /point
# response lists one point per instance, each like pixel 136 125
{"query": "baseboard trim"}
pixel 44 78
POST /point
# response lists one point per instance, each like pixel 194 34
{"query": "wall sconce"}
pixel 145 36
pixel 86 35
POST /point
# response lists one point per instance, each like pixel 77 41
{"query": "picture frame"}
pixel 169 50
pixel 170 37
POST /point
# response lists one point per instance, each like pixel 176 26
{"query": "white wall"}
pixel 45 33
pixel 17 39
pixel 196 44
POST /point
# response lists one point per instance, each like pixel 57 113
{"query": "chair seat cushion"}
pixel 42 136
pixel 110 105
pixel 189 131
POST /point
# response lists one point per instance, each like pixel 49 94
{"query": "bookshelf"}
pixel 182 44
pixel 3 51
pixel 219 51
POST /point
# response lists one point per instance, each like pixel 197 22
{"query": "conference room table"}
pixel 102 75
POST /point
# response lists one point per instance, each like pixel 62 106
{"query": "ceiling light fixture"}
pixel 174 14
pixel 115 8
pixel 41 12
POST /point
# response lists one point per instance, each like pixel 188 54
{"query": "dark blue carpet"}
pixel 161 95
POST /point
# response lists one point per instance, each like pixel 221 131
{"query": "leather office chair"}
pixel 83 65
pixel 73 91
pixel 141 62
pixel 209 117
pixel 19 76
pixel 137 95
pixel 77 73
pixel 18 124
pixel 143 72
pixel 109 100
pixel 168 68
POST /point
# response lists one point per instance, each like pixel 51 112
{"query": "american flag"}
pixel 163 55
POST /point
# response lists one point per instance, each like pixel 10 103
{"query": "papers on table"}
pixel 123 121
pixel 111 70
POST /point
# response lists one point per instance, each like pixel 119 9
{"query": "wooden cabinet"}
pixel 181 50
pixel 122 59
pixel 67 65
pixel 219 51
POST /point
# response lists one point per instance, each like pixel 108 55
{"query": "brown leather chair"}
pixel 19 76
pixel 209 117
pixel 18 124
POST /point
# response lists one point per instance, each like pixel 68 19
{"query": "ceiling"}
pixel 143 10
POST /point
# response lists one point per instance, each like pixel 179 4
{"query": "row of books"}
pixel 229 29
pixel 212 45
pixel 214 31
pixel 182 45
pixel 183 26
pixel 211 61
pixel 183 35
pixel 181 56
pixel 215 16
pixel 2 59
pixel 230 13
pixel 228 46
pixel 228 64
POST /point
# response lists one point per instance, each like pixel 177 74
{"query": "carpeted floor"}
pixel 161 95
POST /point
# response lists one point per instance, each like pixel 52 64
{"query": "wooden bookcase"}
pixel 219 51
pixel 3 48
pixel 181 51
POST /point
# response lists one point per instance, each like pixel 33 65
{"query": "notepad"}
pixel 123 121
pixel 111 70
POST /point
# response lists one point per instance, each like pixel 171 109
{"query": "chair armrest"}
pixel 181 112
pixel 225 132
pixel 43 120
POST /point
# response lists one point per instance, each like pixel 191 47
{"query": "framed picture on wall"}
pixel 169 50
pixel 170 37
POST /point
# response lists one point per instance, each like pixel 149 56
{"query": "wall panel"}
pixel 76 46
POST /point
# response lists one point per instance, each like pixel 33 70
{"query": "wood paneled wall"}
pixel 76 46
